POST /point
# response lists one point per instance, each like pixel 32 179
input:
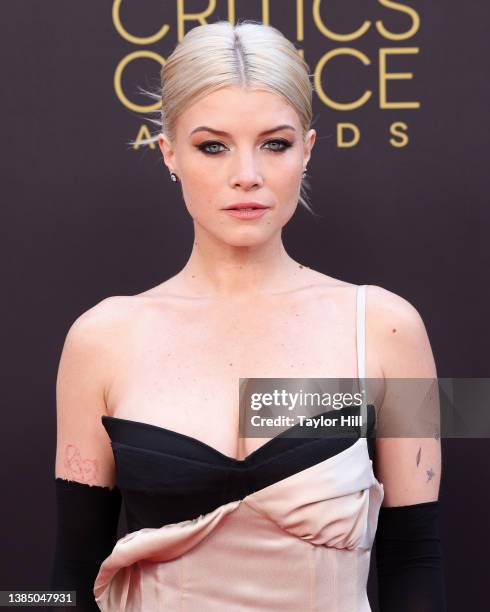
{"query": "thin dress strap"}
pixel 361 352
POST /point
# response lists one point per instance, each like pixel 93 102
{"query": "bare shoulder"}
pixel 399 334
pixel 94 339
pixel 109 322
pixel 101 321
pixel 391 313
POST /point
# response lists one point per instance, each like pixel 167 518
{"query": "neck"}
pixel 219 270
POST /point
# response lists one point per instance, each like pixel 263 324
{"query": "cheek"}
pixel 199 190
pixel 286 182
pixel 286 170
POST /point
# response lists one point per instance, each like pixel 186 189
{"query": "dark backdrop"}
pixel 84 216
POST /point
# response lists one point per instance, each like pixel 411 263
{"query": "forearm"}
pixel 409 559
pixel 87 519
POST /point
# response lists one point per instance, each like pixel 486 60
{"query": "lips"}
pixel 247 214
pixel 246 206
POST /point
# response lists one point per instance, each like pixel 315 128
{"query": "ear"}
pixel 309 142
pixel 167 151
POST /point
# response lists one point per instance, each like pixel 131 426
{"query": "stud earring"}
pixel 304 172
pixel 174 177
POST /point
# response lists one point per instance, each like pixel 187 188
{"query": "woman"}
pixel 215 520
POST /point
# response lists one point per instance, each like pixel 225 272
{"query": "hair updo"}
pixel 249 54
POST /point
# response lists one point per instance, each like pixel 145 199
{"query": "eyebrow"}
pixel 203 128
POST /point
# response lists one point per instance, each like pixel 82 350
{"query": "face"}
pixel 251 150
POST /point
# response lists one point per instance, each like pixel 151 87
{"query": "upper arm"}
pixel 409 467
pixel 83 450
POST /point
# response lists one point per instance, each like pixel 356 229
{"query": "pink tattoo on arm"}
pixel 84 470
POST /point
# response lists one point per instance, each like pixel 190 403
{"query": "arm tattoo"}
pixel 430 474
pixel 85 470
pixel 418 456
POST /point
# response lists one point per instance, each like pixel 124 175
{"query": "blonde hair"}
pixel 249 54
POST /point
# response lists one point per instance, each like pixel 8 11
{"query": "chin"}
pixel 248 236
pixel 247 240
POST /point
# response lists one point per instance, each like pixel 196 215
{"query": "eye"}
pixel 205 146
pixel 284 144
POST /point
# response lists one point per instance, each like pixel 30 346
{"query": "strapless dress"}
pixel 288 528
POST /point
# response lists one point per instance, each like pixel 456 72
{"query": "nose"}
pixel 246 173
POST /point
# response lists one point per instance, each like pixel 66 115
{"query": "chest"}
pixel 179 367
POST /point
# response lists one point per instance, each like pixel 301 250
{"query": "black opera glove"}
pixel 86 533
pixel 409 559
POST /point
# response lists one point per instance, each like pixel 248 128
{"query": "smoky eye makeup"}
pixel 214 147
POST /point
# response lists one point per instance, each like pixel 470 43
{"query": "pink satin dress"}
pixel 301 542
